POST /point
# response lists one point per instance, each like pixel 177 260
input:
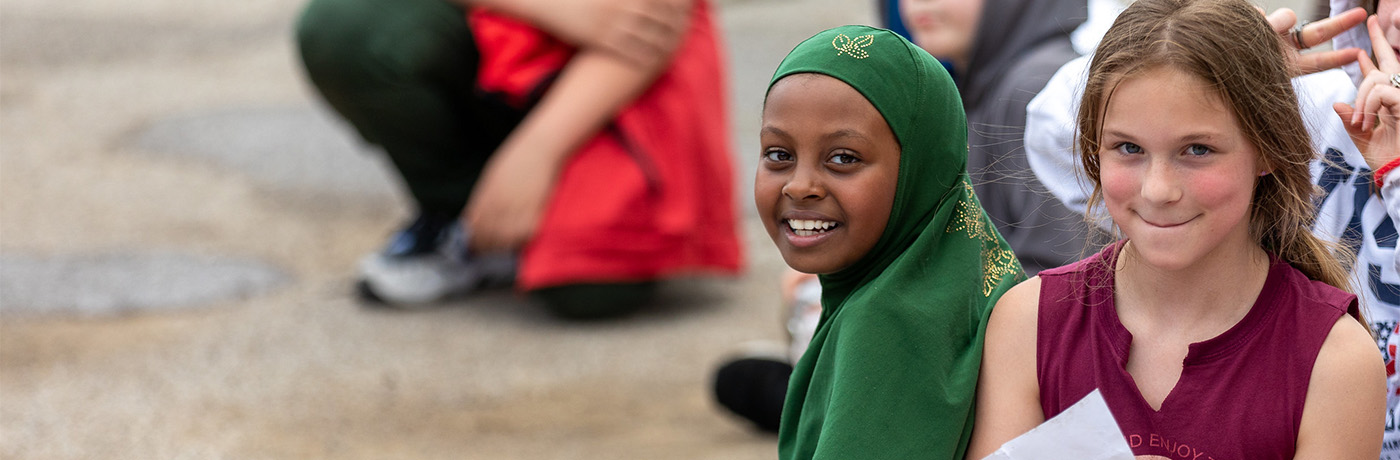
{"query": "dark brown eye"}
pixel 777 155
pixel 844 159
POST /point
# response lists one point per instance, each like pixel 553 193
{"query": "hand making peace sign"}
pixel 1372 119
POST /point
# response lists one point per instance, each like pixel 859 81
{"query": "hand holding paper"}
pixel 1084 431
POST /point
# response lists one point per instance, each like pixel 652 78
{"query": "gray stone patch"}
pixel 302 150
pixel 36 39
pixel 107 284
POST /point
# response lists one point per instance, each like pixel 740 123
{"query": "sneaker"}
pixel 427 262
pixel 754 388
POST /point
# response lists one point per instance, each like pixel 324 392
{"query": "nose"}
pixel 804 184
pixel 1160 183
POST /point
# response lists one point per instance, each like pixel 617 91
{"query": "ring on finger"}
pixel 1395 80
pixel 1297 34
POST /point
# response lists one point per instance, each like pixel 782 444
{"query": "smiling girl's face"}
pixel 1178 173
pixel 826 179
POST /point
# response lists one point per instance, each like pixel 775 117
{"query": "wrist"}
pixel 1379 175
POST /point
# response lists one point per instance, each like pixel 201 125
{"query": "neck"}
pixel 1217 290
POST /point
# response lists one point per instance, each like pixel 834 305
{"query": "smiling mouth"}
pixel 1158 225
pixel 803 227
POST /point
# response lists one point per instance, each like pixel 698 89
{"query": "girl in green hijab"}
pixel 863 180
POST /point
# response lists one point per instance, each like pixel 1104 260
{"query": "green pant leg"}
pixel 596 300
pixel 402 73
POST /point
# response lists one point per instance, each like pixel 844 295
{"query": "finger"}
pixel 1381 99
pixel 1281 20
pixel 1345 112
pixel 1323 60
pixel 1365 62
pixel 1362 92
pixel 1385 55
pixel 1370 108
pixel 1321 31
pixel 1389 98
pixel 1367 68
pixel 1387 122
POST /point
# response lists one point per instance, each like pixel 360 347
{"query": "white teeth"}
pixel 810 227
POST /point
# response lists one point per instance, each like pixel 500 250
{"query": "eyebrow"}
pixel 1193 137
pixel 838 134
pixel 846 133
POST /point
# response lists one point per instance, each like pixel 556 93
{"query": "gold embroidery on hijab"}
pixel 852 46
pixel 997 262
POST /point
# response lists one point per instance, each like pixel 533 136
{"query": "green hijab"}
pixel 892 368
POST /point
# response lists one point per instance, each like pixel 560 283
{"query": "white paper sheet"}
pixel 1084 431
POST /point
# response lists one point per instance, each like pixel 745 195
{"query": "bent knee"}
pixel 374 42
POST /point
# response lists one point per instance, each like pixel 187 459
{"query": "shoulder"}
pixel 1344 412
pixel 1015 320
pixel 1348 354
pixel 1349 349
pixel 1018 309
pixel 1317 294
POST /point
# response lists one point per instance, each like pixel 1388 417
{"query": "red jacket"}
pixel 651 194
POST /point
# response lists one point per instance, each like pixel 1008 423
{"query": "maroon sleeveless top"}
pixel 1240 394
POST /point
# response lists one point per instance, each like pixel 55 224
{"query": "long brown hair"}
pixel 1228 45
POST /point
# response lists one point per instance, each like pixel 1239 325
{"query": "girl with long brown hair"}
pixel 1219 326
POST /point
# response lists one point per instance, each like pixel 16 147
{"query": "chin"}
pixel 807 267
pixel 1165 260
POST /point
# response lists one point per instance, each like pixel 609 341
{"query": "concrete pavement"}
pixel 179 225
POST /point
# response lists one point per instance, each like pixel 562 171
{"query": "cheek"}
pixel 1388 15
pixel 908 9
pixel 1118 184
pixel 873 206
pixel 767 188
pixel 969 13
pixel 1223 189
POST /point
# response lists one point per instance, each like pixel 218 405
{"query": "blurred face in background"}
pixel 946 28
